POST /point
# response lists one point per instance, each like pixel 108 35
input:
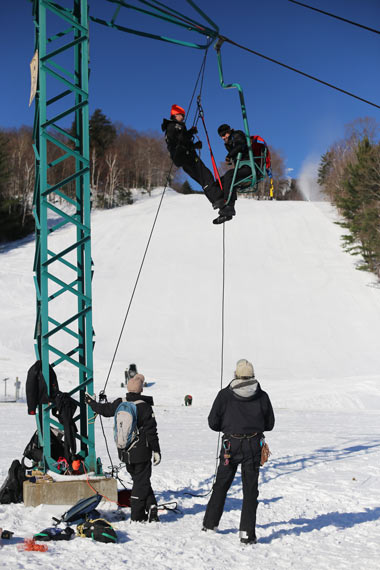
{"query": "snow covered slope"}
pixel 296 307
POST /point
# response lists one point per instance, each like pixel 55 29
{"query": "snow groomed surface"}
pixel 296 307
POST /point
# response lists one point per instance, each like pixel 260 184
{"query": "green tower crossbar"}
pixel 163 12
pixel 251 179
pixel 62 264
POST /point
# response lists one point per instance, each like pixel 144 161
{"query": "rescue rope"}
pixel 201 115
pixel 102 393
pixel 221 362
pixel 200 75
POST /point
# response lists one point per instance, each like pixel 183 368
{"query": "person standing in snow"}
pixel 138 458
pixel 182 147
pixel 242 412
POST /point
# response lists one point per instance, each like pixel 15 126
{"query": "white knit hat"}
pixel 244 369
pixel 136 383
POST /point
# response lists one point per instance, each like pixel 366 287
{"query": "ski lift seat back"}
pixel 249 184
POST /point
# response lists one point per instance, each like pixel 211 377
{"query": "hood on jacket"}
pixel 165 123
pixel 244 388
pixel 132 397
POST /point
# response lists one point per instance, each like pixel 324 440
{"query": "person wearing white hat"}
pixel 138 459
pixel 242 412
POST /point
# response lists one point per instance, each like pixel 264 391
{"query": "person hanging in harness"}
pixel 235 143
pixel 182 149
pixel 138 457
pixel 242 412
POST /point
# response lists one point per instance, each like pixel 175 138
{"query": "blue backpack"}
pixel 126 433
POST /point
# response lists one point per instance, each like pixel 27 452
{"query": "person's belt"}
pixel 241 435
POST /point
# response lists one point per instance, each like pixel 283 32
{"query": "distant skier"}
pixel 182 147
pixel 242 412
pixel 138 458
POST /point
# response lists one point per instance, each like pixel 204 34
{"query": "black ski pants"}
pixel 226 179
pixel 142 496
pixel 215 192
pixel 199 172
pixel 244 452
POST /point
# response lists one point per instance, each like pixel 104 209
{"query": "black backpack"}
pixel 11 489
pixel 98 529
pixel 33 451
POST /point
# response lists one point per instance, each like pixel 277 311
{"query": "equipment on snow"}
pixel 30 544
pixel 97 529
pixel 82 510
pixel 124 497
pixel 54 533
pixel 11 490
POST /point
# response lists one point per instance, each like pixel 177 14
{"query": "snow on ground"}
pixel 296 307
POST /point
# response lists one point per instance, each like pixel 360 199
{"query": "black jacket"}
pixel 179 141
pixel 146 423
pixel 236 143
pixel 233 414
pixel 36 389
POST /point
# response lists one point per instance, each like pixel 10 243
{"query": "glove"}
pixel 89 399
pixel 156 458
pixel 193 130
pixel 198 144
pixel 228 159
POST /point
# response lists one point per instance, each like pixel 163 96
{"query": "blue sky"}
pixel 136 80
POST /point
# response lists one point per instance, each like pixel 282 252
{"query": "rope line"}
pixel 221 363
pixel 200 75
pixel 138 276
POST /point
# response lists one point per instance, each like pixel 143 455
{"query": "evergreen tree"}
pixel 325 166
pixel 359 203
pixel 102 133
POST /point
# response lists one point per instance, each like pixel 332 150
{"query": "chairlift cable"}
pixel 299 72
pixel 335 16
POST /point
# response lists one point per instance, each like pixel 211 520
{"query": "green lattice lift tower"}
pixel 63 332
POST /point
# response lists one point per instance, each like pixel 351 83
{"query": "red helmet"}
pixel 177 110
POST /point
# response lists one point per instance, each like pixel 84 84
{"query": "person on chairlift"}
pixel 235 142
pixel 182 149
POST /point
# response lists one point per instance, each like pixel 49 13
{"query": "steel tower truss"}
pixel 62 265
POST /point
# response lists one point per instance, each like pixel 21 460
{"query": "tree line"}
pixel 121 159
pixel 349 173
